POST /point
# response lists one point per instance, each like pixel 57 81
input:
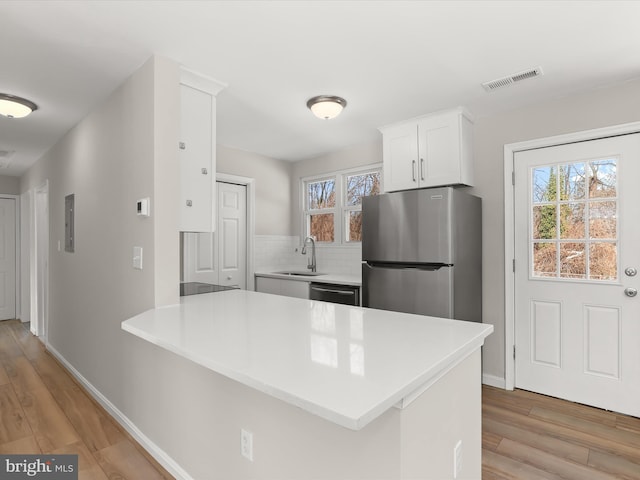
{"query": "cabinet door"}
pixel 277 286
pixel 294 288
pixel 439 147
pixel 400 153
pixel 268 285
pixel 197 171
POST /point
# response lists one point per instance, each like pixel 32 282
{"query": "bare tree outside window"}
pixel 575 221
pixel 333 205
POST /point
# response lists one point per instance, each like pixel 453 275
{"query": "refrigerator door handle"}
pixel 409 266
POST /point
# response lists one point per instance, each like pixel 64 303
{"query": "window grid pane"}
pixel 574 221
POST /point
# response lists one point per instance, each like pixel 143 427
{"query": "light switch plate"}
pixel 137 258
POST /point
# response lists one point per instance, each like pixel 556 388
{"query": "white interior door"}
pixel 576 248
pixel 232 235
pixel 7 258
pixel 221 257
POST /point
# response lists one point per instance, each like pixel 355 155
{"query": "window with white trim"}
pixel 332 204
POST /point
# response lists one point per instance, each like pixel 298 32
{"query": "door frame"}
pixel 510 150
pixel 17 279
pixel 250 185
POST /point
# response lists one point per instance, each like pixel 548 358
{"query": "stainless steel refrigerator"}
pixel 422 253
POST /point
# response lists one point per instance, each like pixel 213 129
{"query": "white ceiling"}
pixel 391 60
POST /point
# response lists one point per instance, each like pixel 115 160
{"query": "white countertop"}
pixel 336 278
pixel 346 364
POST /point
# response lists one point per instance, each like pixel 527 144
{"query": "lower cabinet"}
pixel 277 286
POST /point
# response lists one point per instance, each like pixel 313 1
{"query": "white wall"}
pixel 607 106
pixel 273 191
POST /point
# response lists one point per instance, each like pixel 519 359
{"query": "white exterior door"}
pixel 577 231
pixel 7 258
pixel 220 257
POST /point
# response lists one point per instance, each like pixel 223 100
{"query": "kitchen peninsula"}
pixel 361 393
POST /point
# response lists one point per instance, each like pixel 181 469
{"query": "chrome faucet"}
pixel 311 263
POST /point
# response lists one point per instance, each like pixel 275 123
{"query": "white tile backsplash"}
pixel 278 252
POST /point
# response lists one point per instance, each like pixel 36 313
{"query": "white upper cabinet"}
pixel 197 152
pixel 428 151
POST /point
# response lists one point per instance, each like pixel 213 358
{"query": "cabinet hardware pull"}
pixel 189 203
pixel 204 171
pixel 422 168
pixel 413 169
pixel 182 146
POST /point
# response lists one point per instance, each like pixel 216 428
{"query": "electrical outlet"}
pixel 457 459
pixel 246 444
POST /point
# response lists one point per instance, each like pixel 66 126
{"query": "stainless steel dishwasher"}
pixel 330 292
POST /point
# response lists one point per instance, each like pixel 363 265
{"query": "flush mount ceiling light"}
pixel 15 107
pixel 326 106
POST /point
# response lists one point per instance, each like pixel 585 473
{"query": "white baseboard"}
pixel 156 452
pixel 493 381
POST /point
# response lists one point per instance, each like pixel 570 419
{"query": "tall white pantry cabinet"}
pixel 428 151
pixel 197 151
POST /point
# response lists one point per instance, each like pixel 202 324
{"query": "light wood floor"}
pixel 43 410
pixel 525 436
pixel 529 436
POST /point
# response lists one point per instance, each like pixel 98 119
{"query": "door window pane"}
pixel 603 219
pixel 573 260
pixel 572 221
pixel 544 260
pixel 544 222
pixel 603 178
pixel 572 181
pixel 603 261
pixel 544 184
pixel 573 209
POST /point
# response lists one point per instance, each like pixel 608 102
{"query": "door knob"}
pixel 630 272
pixel 229 277
pixel 630 292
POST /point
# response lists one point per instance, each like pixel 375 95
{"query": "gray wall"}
pixel 9 185
pixel 273 192
pixel 123 151
pixel 605 107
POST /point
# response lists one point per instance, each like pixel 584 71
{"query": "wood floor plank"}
pixel 50 426
pixel 502 467
pixel 123 461
pixel 31 347
pixel 581 425
pixel 630 424
pixel 577 410
pixel 562 432
pixel 24 445
pixel 88 466
pixel 8 346
pixel 4 378
pixel 560 448
pixel 23 376
pixel 96 429
pixel 13 421
pixel 550 463
pixel 620 467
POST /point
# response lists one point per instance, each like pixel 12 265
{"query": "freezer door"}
pixel 406 289
pixel 411 227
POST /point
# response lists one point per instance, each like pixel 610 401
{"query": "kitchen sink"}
pixel 300 274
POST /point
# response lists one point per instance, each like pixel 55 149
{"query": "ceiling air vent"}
pixel 508 80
